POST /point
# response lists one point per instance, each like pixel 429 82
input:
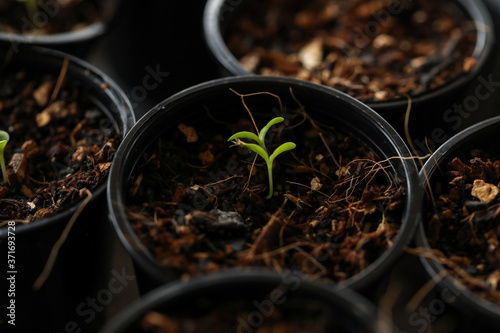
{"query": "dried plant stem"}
pixel 250 173
pixel 277 251
pixel 5 222
pixel 60 79
pixel 442 259
pixel 412 146
pixel 242 96
pixel 55 249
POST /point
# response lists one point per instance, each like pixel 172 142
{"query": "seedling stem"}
pixel 261 149
pixel 4 138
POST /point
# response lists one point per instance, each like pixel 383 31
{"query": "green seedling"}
pixel 4 138
pixel 261 149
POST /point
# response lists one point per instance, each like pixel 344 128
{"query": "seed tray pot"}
pixel 76 42
pixel 219 13
pixel 200 105
pixel 83 260
pixel 476 313
pixel 247 302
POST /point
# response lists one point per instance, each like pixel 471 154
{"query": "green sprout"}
pixel 261 149
pixel 4 138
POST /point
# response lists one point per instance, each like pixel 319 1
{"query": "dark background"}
pixel 166 36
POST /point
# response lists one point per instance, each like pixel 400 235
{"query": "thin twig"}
pixel 55 249
pixel 277 251
pixel 250 174
pixel 60 79
pixel 219 181
pixel 5 222
pixel 242 96
pixel 410 143
pixel 329 150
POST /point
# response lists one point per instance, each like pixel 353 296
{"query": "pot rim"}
pixel 146 260
pixel 89 32
pixel 86 33
pixel 353 303
pixel 476 9
pixel 433 268
pixel 89 75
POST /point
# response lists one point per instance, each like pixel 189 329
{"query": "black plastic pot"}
pixel 478 315
pixel 75 42
pixel 258 293
pixel 84 259
pixel 332 107
pixel 219 12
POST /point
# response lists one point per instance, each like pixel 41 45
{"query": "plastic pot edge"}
pixel 475 304
pixel 84 34
pixel 147 261
pixel 357 305
pixel 231 66
pixel 113 92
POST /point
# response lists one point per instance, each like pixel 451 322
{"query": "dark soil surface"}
pixel 198 202
pixel 464 229
pixel 60 144
pixel 50 17
pixel 374 50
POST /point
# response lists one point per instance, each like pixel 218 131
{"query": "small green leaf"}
pixel 261 149
pixel 247 135
pixel 258 149
pixel 264 130
pixel 4 138
pixel 281 149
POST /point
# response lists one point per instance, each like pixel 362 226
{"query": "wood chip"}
pixel 311 55
pixel 30 149
pixel 493 279
pixel 43 212
pixel 484 191
pixel 206 157
pixel 384 40
pixel 42 93
pixel 157 321
pixel 468 64
pixel 16 170
pixel 43 119
pixel 316 184
pixel 342 172
pixel 189 132
pixel 80 153
pixel 103 167
pixel 55 110
pixel 250 61
pixel 135 187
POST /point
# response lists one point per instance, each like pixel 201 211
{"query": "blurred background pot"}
pixel 83 260
pixel 76 41
pixel 476 314
pixel 250 302
pixel 345 113
pixel 219 14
